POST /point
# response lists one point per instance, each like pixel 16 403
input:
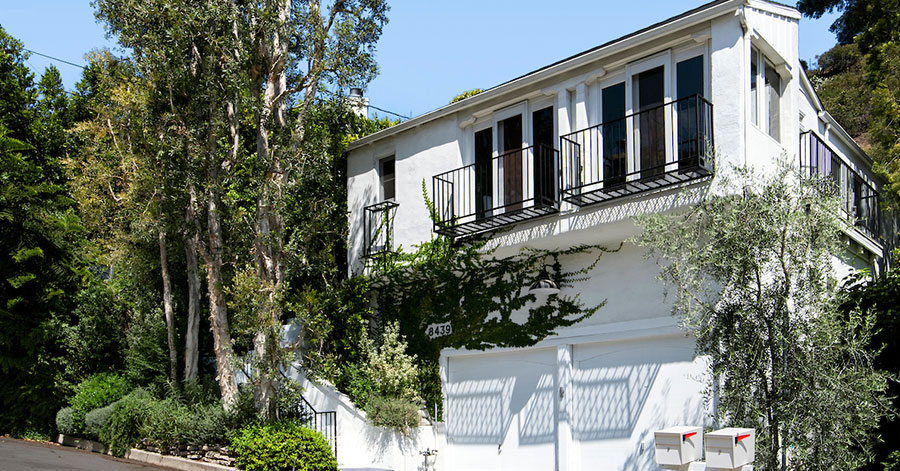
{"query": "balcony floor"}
pixel 490 223
pixel 583 196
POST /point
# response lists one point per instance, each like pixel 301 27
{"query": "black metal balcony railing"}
pixel 859 199
pixel 379 228
pixel 647 150
pixel 513 187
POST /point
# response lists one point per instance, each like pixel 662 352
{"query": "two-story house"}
pixel 568 154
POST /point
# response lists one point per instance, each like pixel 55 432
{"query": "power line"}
pixel 390 112
pixel 54 58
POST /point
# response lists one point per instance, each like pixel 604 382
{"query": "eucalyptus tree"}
pixel 752 278
pixel 234 69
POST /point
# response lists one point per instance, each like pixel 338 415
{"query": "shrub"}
pixel 282 446
pixel 391 369
pixel 101 389
pixel 171 423
pixel 65 423
pixel 356 383
pixel 129 414
pixel 95 421
pixel 394 412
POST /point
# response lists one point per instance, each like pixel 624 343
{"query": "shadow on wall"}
pixel 608 401
pixel 482 408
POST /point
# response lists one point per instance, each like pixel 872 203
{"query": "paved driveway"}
pixel 19 455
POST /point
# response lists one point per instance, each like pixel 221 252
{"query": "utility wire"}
pixel 54 58
pixel 390 112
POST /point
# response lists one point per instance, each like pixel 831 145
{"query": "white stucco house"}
pixel 566 155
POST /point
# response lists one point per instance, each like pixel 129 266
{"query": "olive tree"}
pixel 751 270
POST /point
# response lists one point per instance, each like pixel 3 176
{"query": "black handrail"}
pixel 859 199
pixel 322 422
pixel 516 185
pixel 659 146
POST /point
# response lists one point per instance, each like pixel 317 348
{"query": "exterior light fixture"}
pixel 544 285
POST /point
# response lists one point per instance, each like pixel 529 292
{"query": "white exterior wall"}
pixel 591 396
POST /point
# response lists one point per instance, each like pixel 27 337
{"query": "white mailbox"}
pixel 677 446
pixel 730 448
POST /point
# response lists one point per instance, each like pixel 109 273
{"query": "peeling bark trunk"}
pixel 218 310
pixel 191 338
pixel 269 230
pixel 167 307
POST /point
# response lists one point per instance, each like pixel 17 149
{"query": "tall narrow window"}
pixel 754 93
pixel 509 136
pixel 614 135
pixel 773 101
pixel 691 120
pixel 387 175
pixel 543 162
pixel 649 94
pixel 484 173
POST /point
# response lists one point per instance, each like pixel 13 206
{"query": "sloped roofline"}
pixel 688 18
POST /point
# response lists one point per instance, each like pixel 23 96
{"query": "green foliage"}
pixel 878 296
pixel 840 81
pixel 462 96
pixel 65 423
pixel 170 423
pixel 40 238
pixel 282 446
pixel 354 381
pixel 96 340
pixel 146 357
pixel 123 429
pixel 97 420
pixel 392 371
pixel 101 389
pixel 393 412
pixel 483 296
pixel 761 302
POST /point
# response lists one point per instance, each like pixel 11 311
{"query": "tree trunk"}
pixel 191 338
pixel 269 230
pixel 167 306
pixel 218 310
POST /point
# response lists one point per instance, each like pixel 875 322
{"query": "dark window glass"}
pixel 388 188
pixel 544 162
pixel 651 125
pixel 754 98
pixel 484 147
pixel 691 119
pixel 773 97
pixel 614 135
pixel 510 137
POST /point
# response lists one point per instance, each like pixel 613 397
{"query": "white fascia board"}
pixel 775 9
pixel 573 63
pixel 811 92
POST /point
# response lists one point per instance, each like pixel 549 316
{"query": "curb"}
pixel 174 462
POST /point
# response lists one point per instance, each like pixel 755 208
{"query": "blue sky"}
pixel 429 52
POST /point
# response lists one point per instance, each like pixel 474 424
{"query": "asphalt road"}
pixel 19 455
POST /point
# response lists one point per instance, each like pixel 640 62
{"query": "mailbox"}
pixel 730 448
pixel 677 446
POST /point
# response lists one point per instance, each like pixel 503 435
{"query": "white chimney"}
pixel 358 103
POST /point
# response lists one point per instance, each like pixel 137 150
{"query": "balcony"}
pixel 379 229
pixel 859 200
pixel 654 148
pixel 516 186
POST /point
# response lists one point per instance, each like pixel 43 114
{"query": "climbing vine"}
pixel 483 297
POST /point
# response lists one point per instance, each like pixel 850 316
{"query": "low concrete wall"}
pixel 362 446
pixel 174 462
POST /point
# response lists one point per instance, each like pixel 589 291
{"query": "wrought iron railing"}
pixel 650 149
pixel 859 199
pixel 322 422
pixel 379 228
pixel 515 186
